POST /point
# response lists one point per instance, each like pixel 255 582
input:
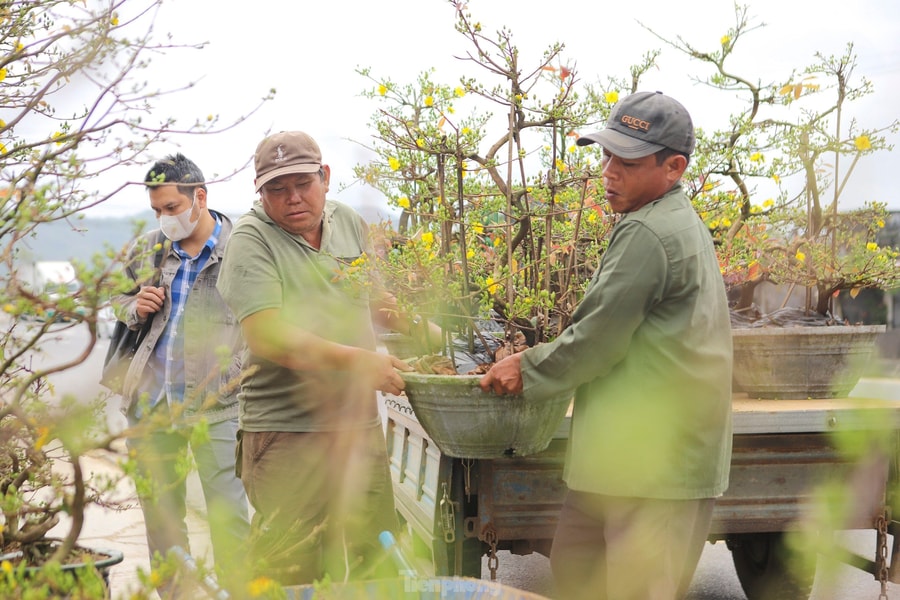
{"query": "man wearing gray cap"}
pixel 649 357
pixel 311 447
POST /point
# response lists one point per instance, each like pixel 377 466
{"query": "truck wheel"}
pixel 765 569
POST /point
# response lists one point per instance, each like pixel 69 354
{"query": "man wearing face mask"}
pixel 186 370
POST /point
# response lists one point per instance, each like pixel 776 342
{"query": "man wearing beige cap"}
pixel 312 449
pixel 649 357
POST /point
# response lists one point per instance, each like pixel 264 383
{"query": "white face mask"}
pixel 177 227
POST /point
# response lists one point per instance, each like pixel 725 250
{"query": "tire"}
pixel 766 569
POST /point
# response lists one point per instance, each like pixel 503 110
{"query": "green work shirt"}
pixel 265 267
pixel 649 355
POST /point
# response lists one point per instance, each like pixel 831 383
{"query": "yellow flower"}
pixel 465 131
pixel 8 308
pixel 560 164
pixel 19 46
pixel 359 261
pixel 800 256
pixel 572 148
pixel 872 247
pixel 451 110
pixel 714 224
pixel 6 566
pixel 2 123
pixel 428 238
pixel 2 148
pixel 43 435
pixel 592 217
pixel 880 223
pixel 403 202
pixel 477 228
pixel 611 97
pixel 114 20
pixel 382 89
pixel 708 186
pixel 863 143
pixel 429 100
pixel 491 286
pixel 776 178
pixel 259 586
pixel 768 203
pixel 393 163
pixel 725 39
pixel 470 254
pixel 2 74
pixel 57 135
pixel 755 209
pixel 420 143
pixel 726 222
pixel 756 157
pixel 459 92
pixel 497 241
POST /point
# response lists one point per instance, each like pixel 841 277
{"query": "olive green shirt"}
pixel 265 267
pixel 649 355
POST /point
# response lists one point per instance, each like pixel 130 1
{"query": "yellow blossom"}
pixel 880 223
pixel 592 217
pixel 57 135
pixel 726 222
pixel 2 148
pixel 428 238
pixel 359 261
pixel 572 148
pixel 491 286
pixel 756 157
pixel 393 163
pixel 470 254
pixel 465 131
pixel 260 586
pixel 611 97
pixel 768 203
pixel 451 110
pixel 8 308
pixel 403 202
pixel 714 224
pixel 477 228
pixel 382 89
pixel 755 209
pixel 19 46
pixel 2 74
pixel 420 143
pixel 800 256
pixel 872 247
pixel 725 39
pixel 2 123
pixel 114 20
pixel 863 143
pixel 6 566
pixel 708 186
pixel 776 178
pixel 497 241
pixel 460 92
pixel 560 164
pixel 43 436
pixel 429 100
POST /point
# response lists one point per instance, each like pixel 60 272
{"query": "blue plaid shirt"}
pixel 168 356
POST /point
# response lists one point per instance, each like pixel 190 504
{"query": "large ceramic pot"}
pixel 101 561
pixel 802 362
pixel 466 422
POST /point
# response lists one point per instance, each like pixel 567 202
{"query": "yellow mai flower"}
pixel 403 202
pixel 714 224
pixel 708 186
pixel 592 217
pixel 470 254
pixel 429 100
pixel 497 241
pixel 863 143
pixel 43 436
pixel 2 148
pixel 2 74
pixel 114 20
pixel 393 163
pixel 560 164
pixel 420 143
pixel 382 89
pixel 19 46
pixel 428 238
pixel 726 222
pixel 756 157
pixel 880 223
pixel 611 97
pixel 724 40
pixel 359 261
pixel 6 566
pixel 460 92
pixel 800 256
pixel 490 285
pixel 769 203
pixel 477 228
pixel 776 178
pixel 755 209
pixel 872 247
pixel 465 131
pixel 260 586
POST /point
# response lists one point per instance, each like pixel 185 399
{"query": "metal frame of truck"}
pixel 456 510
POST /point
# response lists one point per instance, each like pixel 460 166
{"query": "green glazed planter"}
pixel 466 422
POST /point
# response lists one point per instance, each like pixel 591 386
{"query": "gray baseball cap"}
pixel 286 152
pixel 643 124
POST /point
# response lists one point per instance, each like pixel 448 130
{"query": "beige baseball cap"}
pixel 284 153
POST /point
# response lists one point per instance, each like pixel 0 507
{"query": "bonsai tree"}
pixel 502 220
pixel 52 151
pixel 769 184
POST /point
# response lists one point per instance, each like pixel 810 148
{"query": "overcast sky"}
pixel 308 51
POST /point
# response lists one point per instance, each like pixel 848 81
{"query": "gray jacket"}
pixel 212 335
